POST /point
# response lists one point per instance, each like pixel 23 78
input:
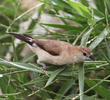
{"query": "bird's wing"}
pixel 53 47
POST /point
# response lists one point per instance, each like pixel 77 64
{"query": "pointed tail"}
pixel 23 37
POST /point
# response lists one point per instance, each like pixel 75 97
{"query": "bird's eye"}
pixel 84 54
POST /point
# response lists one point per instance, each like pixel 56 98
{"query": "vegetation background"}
pixel 81 22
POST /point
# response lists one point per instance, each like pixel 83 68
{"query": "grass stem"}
pixel 81 80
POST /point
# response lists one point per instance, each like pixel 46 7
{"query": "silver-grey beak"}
pixel 92 57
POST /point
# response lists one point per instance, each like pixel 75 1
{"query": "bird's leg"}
pixel 43 65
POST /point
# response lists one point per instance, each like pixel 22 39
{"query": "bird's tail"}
pixel 26 38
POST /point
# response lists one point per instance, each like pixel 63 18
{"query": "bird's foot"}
pixel 44 70
pixel 44 67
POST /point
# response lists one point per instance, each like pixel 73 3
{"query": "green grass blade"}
pixel 99 39
pixel 99 89
pixel 29 57
pixel 85 37
pixel 85 2
pixel 35 81
pixel 80 8
pixel 81 66
pixel 107 48
pixel 53 75
pixel 64 88
pixel 66 27
pixel 7 11
pixel 19 65
pixel 81 80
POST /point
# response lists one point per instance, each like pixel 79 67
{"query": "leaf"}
pixel 81 80
pixel 98 13
pixel 62 4
pixel 45 96
pixel 76 18
pixel 99 39
pixel 81 66
pixel 66 27
pixel 53 75
pixel 64 88
pixel 19 65
pixel 26 59
pixel 7 11
pixel 85 37
pixel 107 48
pixel 35 81
pixel 99 89
pixel 85 2
pixel 94 97
pixel 100 5
pixel 83 10
pixel 107 4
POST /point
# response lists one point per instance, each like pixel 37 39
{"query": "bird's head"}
pixel 85 54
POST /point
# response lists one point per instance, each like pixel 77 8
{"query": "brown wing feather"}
pixel 53 47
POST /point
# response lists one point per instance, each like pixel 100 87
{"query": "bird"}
pixel 55 52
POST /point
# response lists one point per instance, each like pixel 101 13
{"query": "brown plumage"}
pixel 56 52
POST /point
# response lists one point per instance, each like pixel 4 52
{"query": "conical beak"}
pixel 92 57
